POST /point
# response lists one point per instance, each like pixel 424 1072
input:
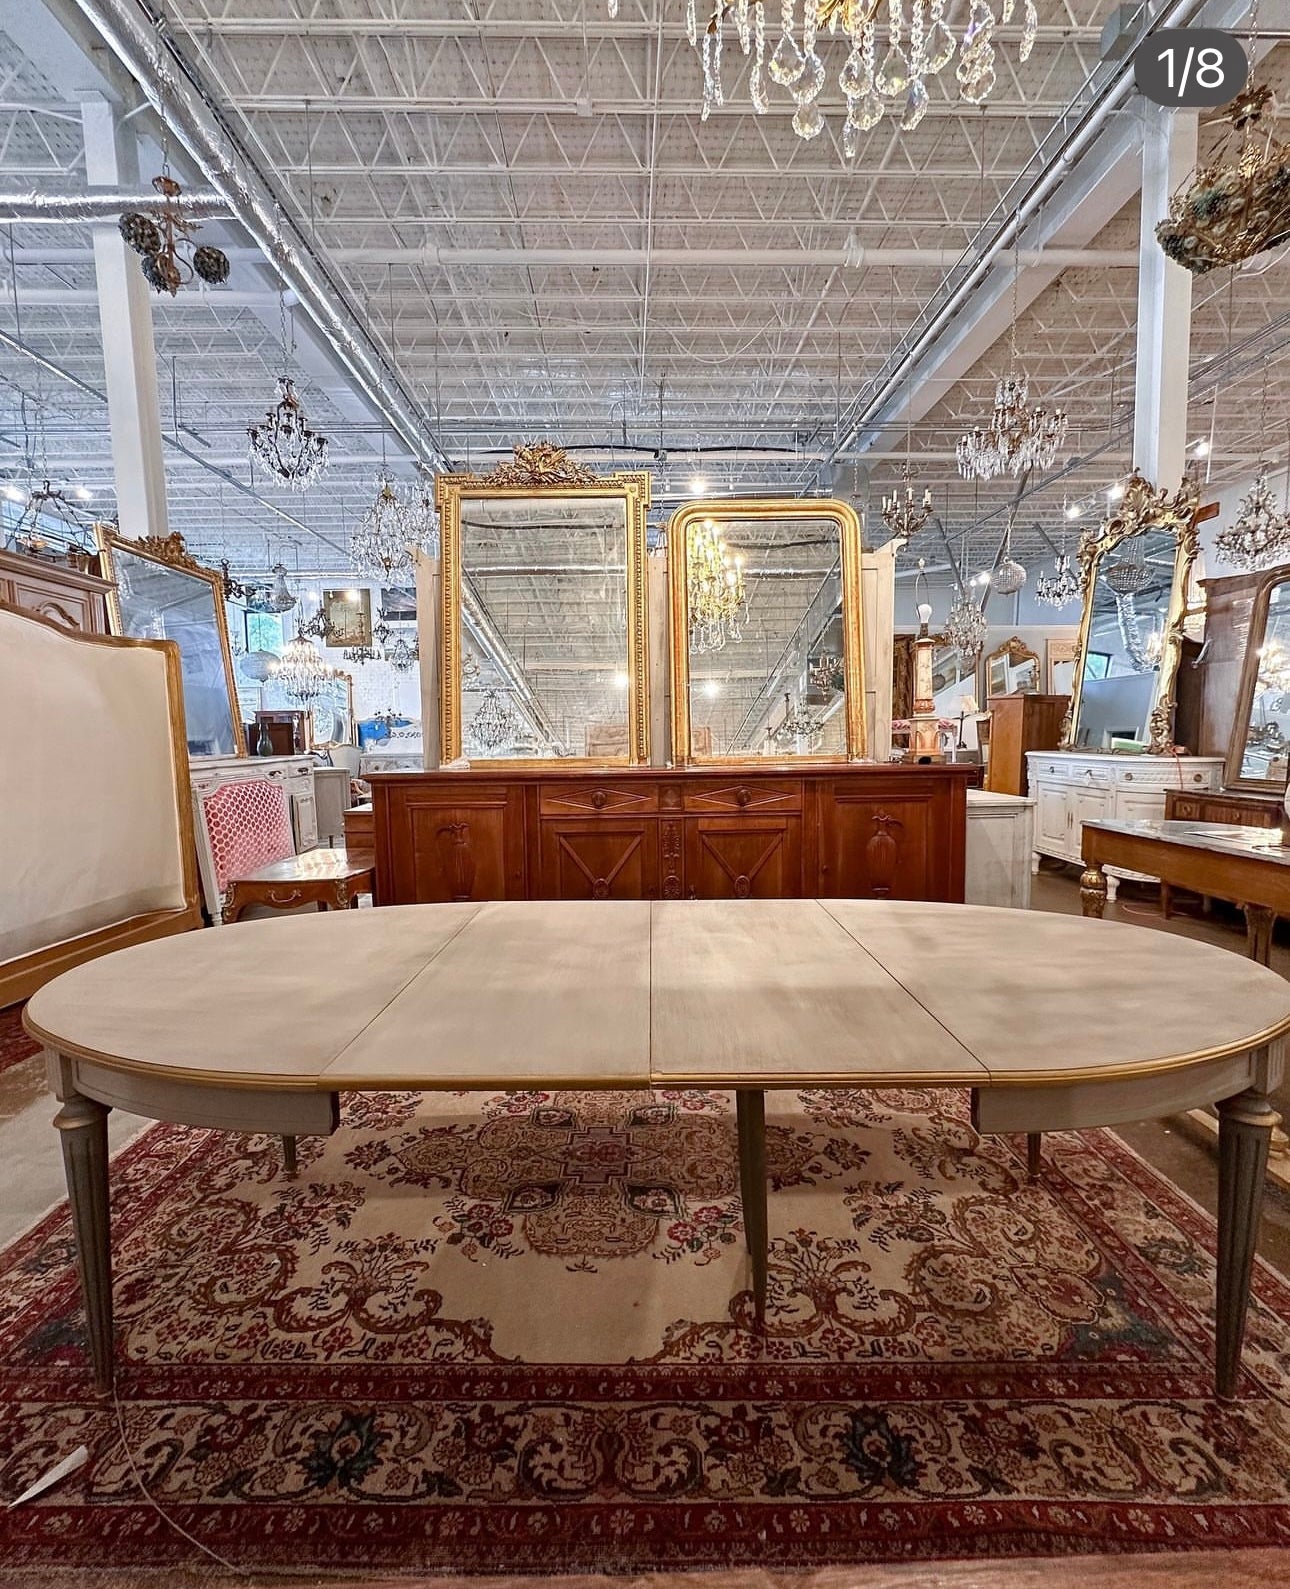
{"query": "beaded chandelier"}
pixel 1017 438
pixel 714 587
pixel 1260 534
pixel 966 628
pixel 301 669
pixel 285 445
pixel 381 545
pixel 1061 587
pixel 493 725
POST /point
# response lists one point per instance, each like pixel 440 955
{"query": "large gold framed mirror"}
pixel 1258 757
pixel 1011 669
pixel 542 638
pixel 1134 568
pixel 161 593
pixel 767 652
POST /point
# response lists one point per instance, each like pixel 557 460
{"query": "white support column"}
pixel 129 354
pixel 1164 303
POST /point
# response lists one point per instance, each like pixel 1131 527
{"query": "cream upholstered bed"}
pixel 95 820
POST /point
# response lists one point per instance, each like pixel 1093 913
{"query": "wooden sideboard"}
pixel 1225 806
pixel 773 832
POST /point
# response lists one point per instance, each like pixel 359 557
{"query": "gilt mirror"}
pixel 160 593
pixel 1012 669
pixel 1134 569
pixel 543 626
pixel 767 656
pixel 1260 747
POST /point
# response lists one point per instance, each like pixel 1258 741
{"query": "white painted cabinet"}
pixel 1074 787
pixel 1000 840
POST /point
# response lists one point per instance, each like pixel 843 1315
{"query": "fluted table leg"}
pixel 82 1124
pixel 1245 1126
pixel 750 1104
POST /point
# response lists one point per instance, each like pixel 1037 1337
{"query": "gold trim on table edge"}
pixel 321 1081
pixel 541 468
pixel 1142 508
pixel 852 617
pixel 170 552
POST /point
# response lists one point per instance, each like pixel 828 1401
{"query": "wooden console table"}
pixel 763 830
pixel 1248 866
pixel 1041 1017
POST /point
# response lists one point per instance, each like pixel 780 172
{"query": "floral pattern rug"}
pixel 15 1045
pixel 514 1333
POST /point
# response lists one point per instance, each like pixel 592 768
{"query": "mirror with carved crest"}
pixel 766 631
pixel 543 622
pixel 1134 568
pixel 1011 669
pixel 1259 755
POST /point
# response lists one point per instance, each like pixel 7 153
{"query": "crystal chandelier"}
pixel 797 725
pixel 423 521
pixel 285 444
pixel 380 545
pixel 918 44
pixel 714 587
pixel 386 647
pixel 902 515
pixel 826 675
pixel 1017 438
pixel 1260 534
pixel 301 669
pixel 1238 204
pixel 1061 587
pixel 157 234
pixel 493 725
pixel 1130 576
pixel 1274 668
pixel 966 628
pixel 1009 577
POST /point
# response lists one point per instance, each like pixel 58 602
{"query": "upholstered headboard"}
pixel 95 818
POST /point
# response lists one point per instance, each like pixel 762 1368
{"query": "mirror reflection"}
pixel 544 628
pixel 1267 729
pixel 1125 642
pixel 1012 669
pixel 766 641
pixel 157 602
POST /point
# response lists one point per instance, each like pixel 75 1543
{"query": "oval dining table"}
pixel 1051 1022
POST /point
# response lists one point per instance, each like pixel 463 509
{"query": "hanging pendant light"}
pixel 301 669
pixel 493 726
pixel 966 628
pixel 285 444
pixel 1260 535
pixel 1061 587
pixel 380 545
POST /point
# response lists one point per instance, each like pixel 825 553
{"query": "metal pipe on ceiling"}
pixel 69 207
pixel 132 33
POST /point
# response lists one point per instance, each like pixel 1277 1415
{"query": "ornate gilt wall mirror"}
pixel 1257 757
pixel 767 655
pixel 161 593
pixel 542 639
pixel 1134 569
pixel 1011 669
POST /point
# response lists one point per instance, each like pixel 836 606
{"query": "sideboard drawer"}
pixel 745 794
pixel 587 799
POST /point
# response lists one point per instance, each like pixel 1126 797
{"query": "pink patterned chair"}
pixel 253 854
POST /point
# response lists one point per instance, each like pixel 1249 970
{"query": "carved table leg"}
pixel 1259 922
pixel 1092 891
pixel 1034 1153
pixel 289 1163
pixel 1245 1125
pixel 82 1124
pixel 750 1104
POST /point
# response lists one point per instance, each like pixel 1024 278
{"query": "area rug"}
pixel 15 1045
pixel 513 1334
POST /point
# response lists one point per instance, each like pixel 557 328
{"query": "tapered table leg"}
pixel 82 1124
pixel 1034 1153
pixel 750 1104
pixel 1245 1126
pixel 1259 922
pixel 1093 891
pixel 289 1161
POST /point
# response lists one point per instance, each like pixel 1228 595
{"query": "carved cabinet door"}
pixel 901 846
pixel 445 846
pixel 743 858
pixel 595 858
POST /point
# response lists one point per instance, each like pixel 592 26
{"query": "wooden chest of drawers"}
pixel 1245 810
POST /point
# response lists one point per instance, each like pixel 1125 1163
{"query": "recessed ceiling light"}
pixel 1116 491
pixel 14 494
pixel 352 596
pixel 621 681
pixel 1201 449
pixel 82 493
pixel 711 687
pixel 1072 510
pixel 698 485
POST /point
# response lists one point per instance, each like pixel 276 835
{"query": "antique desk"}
pixel 1042 1017
pixel 1248 866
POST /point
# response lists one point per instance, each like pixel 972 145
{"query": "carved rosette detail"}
pixel 541 464
pixel 170 549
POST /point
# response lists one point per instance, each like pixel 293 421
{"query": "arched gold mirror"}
pixel 767 655
pixel 1135 568
pixel 1259 755
pixel 543 621
pixel 1012 669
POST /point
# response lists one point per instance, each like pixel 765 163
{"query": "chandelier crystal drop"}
pixel 966 628
pixel 302 672
pixel 285 445
pixel 1018 437
pixel 1061 587
pixel 715 588
pixel 1260 535
pixel 902 513
pixel 493 726
pixel 878 66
